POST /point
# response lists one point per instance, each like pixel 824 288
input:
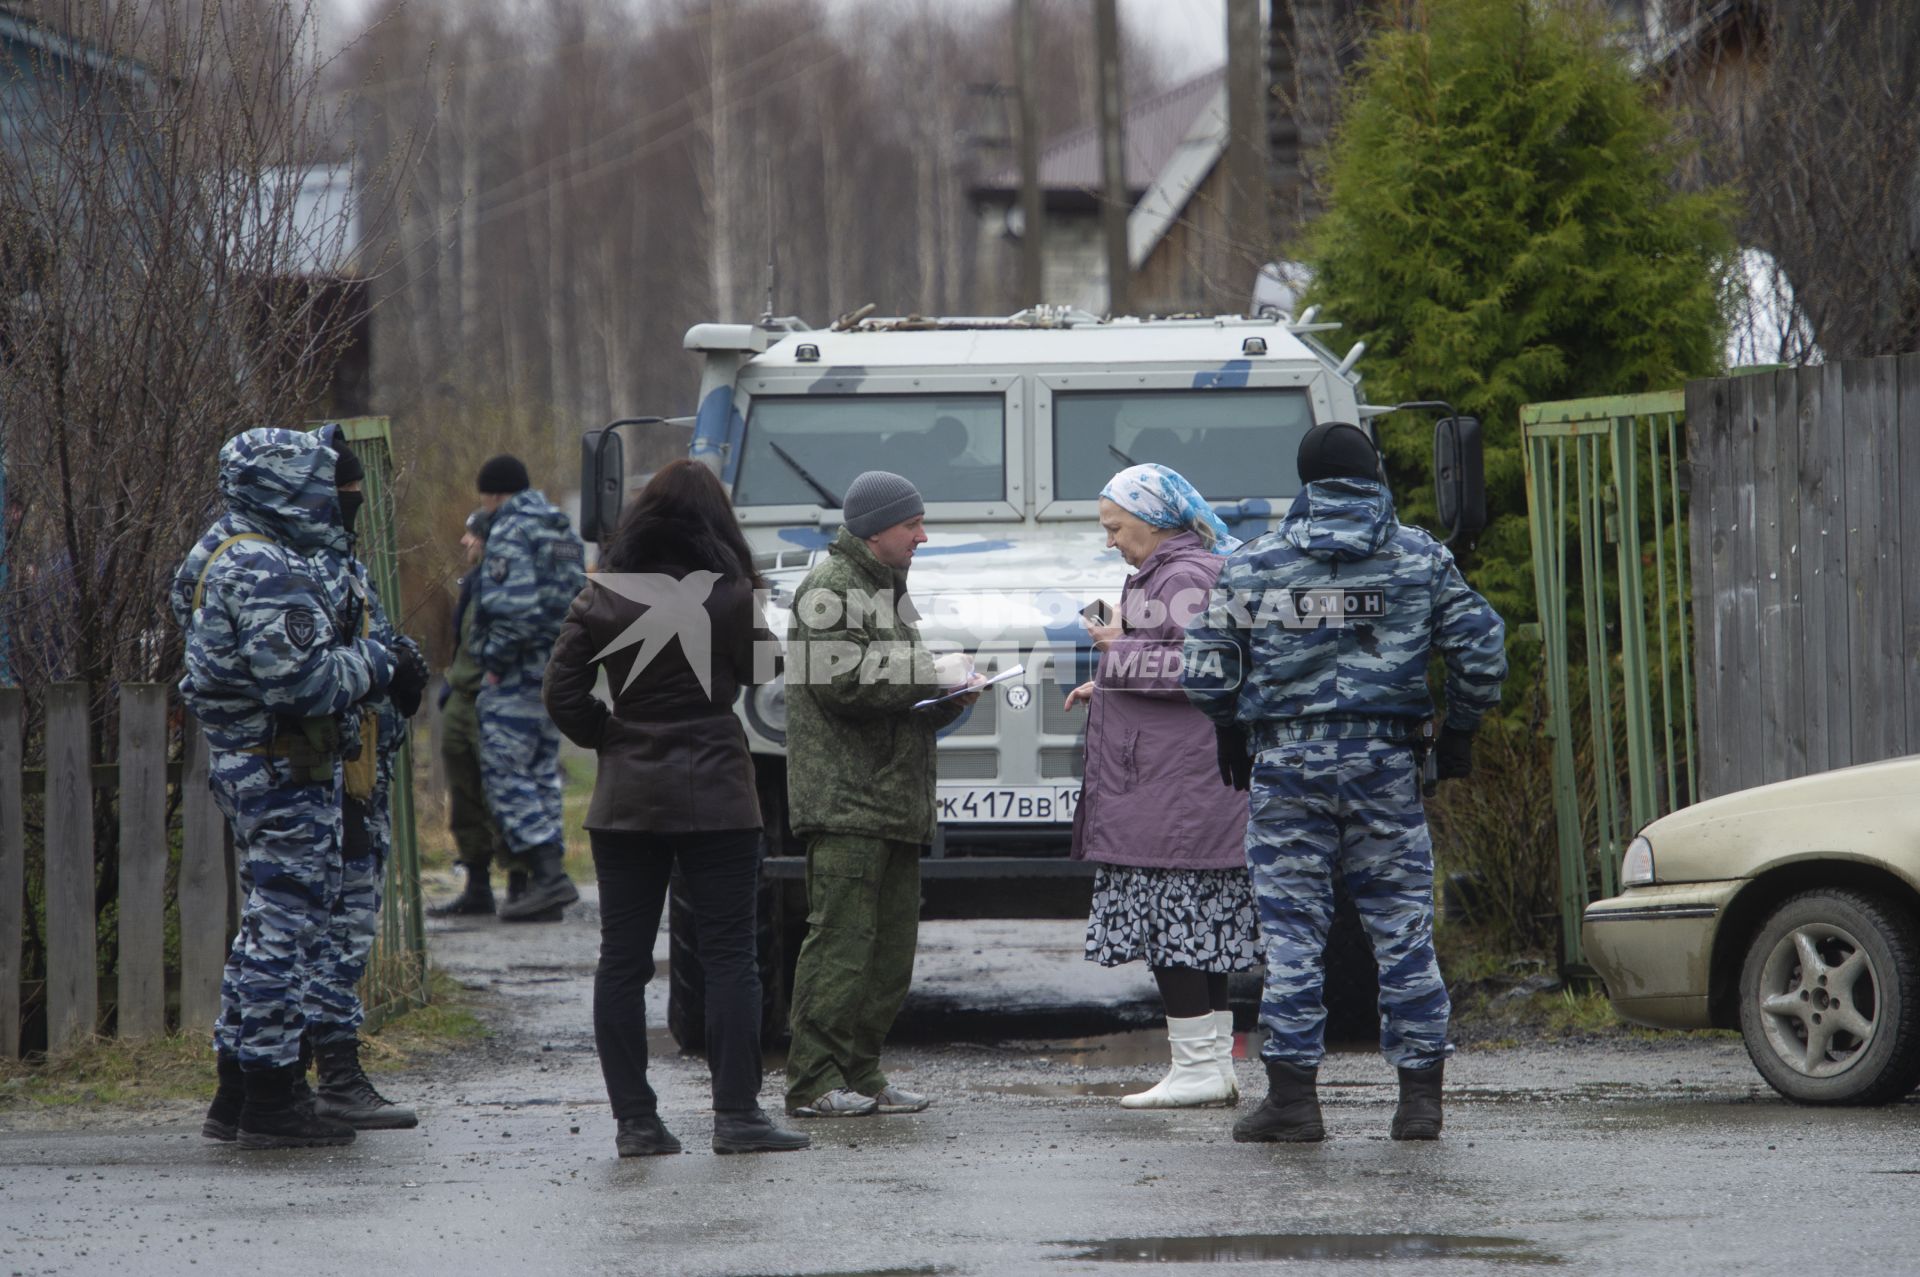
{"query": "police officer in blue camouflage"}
pixel 271 673
pixel 1311 660
pixel 333 1009
pixel 530 570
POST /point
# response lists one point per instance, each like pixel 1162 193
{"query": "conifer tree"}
pixel 1504 227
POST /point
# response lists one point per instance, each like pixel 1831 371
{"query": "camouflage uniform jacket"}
pixel 1325 626
pixel 533 569
pixel 267 640
pixel 859 756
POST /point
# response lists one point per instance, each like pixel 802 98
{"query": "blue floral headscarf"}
pixel 1162 498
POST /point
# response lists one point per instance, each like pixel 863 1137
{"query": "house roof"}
pixel 1155 128
pixel 22 28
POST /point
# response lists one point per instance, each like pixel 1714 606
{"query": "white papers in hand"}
pixel 1014 671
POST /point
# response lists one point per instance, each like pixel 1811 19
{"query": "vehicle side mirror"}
pixel 602 483
pixel 1460 478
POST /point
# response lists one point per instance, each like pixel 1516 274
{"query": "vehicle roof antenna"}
pixel 766 189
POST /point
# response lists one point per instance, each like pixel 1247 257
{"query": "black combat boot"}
pixel 477 898
pixel 517 887
pixel 549 889
pixel 347 1096
pixel 271 1119
pixel 752 1131
pixel 1418 1117
pixel 223 1116
pixel 1291 1112
pixel 644 1137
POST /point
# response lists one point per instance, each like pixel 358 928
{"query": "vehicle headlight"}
pixel 767 710
pixel 1636 867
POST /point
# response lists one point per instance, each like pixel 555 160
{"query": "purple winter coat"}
pixel 1153 794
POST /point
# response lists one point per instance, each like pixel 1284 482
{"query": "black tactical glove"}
pixel 409 678
pixel 1235 757
pixel 1453 754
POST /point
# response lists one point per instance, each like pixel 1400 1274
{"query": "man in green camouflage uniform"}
pixel 860 777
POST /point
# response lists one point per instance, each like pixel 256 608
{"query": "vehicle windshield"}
pixel 1229 444
pixel 953 447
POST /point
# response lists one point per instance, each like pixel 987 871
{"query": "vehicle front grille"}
pixel 1062 762
pixel 982 720
pixel 1054 720
pixel 968 764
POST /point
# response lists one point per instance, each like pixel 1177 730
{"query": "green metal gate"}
pixel 1608 473
pixel 397 970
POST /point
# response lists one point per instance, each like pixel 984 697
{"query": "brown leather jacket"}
pixel 673 758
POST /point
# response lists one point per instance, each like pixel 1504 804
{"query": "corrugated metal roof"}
pixel 1154 127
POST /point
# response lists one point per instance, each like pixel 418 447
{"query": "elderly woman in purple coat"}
pixel 1171 886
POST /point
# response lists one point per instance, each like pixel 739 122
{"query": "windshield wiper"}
pixel 827 500
pixel 1125 460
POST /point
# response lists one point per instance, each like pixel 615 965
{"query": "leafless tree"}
pixel 1812 108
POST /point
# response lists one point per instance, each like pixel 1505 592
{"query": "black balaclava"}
pixel 1337 450
pixel 347 469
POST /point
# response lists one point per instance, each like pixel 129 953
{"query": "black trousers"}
pixel 721 874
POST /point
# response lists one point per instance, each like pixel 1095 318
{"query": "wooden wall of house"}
pixel 1191 269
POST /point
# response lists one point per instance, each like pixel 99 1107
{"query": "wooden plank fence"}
pixel 1805 493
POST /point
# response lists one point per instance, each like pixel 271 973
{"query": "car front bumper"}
pixel 1654 948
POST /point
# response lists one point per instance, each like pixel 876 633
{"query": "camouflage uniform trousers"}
pixel 476 838
pixel 333 1009
pixel 856 965
pixel 520 761
pixel 287 835
pixel 1351 806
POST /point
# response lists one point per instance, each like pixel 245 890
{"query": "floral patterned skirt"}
pixel 1198 918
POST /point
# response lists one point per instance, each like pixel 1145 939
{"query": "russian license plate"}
pixel 1015 804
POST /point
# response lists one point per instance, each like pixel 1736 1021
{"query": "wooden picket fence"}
pixel 150 783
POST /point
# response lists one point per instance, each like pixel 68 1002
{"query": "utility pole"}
pixel 1113 152
pixel 1232 270
pixel 1033 208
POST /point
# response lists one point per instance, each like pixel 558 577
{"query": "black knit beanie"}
pixel 1337 450
pixel 346 467
pixel 502 475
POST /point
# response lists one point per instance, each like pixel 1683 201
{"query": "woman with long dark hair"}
pixel 671 615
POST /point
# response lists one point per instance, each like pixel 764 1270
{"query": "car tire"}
pixel 1830 999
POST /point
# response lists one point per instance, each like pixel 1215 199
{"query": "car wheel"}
pixel 1830 999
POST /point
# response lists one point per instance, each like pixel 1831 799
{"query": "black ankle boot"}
pixel 1291 1112
pixel 346 1095
pixel 644 1137
pixel 752 1131
pixel 475 899
pixel 1418 1117
pixel 549 888
pixel 223 1116
pixel 271 1118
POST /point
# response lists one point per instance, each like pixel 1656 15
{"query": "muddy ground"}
pixel 1585 1156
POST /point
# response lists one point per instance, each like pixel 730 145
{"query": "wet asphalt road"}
pixel 1629 1157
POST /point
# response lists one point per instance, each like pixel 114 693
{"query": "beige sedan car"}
pixel 1790 912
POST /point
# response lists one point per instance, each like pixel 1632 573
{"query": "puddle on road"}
pixel 1062 1090
pixel 1256 1248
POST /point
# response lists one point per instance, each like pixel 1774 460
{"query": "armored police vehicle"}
pixel 1009 427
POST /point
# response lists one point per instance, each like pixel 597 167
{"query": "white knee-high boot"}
pixel 1223 1046
pixel 1194 1081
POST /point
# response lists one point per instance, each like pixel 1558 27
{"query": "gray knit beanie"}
pixel 878 499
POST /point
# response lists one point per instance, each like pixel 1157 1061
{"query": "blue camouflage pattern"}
pixel 266 641
pixel 531 570
pixel 1318 638
pixel 1270 651
pixel 267 644
pixel 520 762
pixel 1352 807
pixel 338 960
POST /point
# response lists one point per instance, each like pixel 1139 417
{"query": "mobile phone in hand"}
pixel 1098 612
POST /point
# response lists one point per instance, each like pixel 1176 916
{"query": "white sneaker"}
pixel 1223 1048
pixel 1195 1080
pixel 839 1102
